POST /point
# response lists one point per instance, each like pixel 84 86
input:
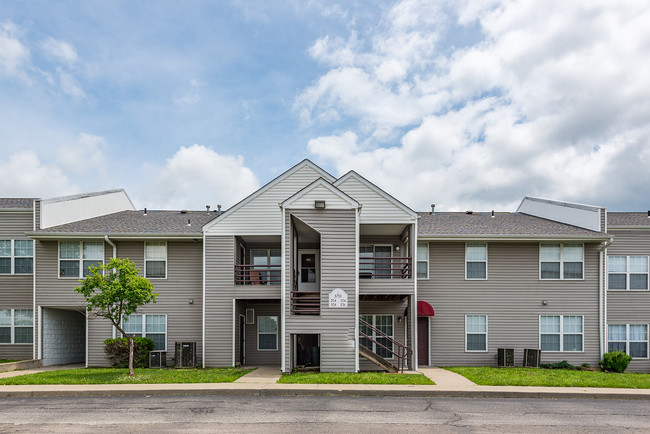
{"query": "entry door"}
pixel 309 278
pixel 423 341
pixel 242 340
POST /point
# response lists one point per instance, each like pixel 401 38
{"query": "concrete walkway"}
pixel 261 375
pixel 446 379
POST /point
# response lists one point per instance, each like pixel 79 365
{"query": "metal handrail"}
pixel 250 274
pixel 399 267
pixel 403 352
pixel 305 302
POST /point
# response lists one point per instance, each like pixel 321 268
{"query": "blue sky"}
pixel 470 105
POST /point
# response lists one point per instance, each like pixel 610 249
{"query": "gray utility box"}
pixel 185 355
pixel 505 357
pixel 157 359
pixel 532 357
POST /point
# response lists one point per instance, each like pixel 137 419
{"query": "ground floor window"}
pixel 561 332
pixel 632 339
pixel 476 333
pixel 382 346
pixel 267 333
pixel 153 327
pixel 16 326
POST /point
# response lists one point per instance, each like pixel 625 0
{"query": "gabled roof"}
pixel 16 203
pixel 370 185
pixel 628 220
pixel 320 182
pixel 515 225
pixel 277 180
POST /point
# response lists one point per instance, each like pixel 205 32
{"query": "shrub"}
pixel 117 351
pixel 559 365
pixel 615 361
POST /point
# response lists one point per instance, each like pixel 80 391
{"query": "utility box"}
pixel 532 357
pixel 157 359
pixel 185 354
pixel 505 357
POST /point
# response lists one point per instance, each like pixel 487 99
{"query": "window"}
pixel 16 256
pixel 155 259
pixel 76 257
pixel 632 339
pixel 561 333
pixel 475 332
pixel 560 261
pixel 153 327
pixel 476 261
pixel 627 272
pixel 267 263
pixel 16 326
pixel 383 323
pixel 267 333
pixel 375 261
pixel 423 261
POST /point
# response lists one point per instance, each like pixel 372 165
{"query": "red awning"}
pixel 425 309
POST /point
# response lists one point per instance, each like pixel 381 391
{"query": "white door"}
pixel 309 269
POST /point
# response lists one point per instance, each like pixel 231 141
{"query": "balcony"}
pixel 248 274
pixel 393 267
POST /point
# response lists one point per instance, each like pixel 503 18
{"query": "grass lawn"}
pixel 351 378
pixel 7 361
pixel 121 376
pixel 551 377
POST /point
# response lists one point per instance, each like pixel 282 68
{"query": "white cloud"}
pixel 196 176
pixel 24 175
pixel 14 56
pixel 191 95
pixel 85 156
pixel 59 50
pixel 551 101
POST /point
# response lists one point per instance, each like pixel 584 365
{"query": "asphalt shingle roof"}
pixel 136 222
pixel 16 202
pixel 628 219
pixel 503 223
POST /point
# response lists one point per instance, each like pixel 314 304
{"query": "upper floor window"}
pixel 627 272
pixel 155 259
pixel 16 326
pixel 423 261
pixel 561 332
pixel 632 339
pixel 16 256
pixel 376 261
pixel 267 270
pixel 153 327
pixel 476 261
pixel 75 257
pixel 561 261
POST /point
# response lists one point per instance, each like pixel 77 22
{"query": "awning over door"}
pixel 425 309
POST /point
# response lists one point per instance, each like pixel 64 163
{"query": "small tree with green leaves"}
pixel 115 291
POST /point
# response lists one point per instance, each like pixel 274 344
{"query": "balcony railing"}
pixel 246 274
pixel 305 302
pixel 395 267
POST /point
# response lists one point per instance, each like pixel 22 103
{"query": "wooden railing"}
pixel 305 303
pixel 394 267
pixel 246 274
pixel 400 351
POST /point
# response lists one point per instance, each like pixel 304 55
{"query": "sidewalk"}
pixel 262 382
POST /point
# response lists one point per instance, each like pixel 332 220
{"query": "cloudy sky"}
pixel 466 104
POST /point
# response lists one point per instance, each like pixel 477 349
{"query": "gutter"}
pixel 602 295
pixel 101 235
pixel 498 237
pixel 108 240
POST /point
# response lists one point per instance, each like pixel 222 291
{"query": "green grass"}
pixel 121 376
pixel 352 378
pixel 7 361
pixel 551 377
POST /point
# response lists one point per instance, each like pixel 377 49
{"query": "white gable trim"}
pixel 370 185
pixel 320 182
pixel 261 190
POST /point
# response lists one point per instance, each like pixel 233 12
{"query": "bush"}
pixel 559 365
pixel 615 361
pixel 117 351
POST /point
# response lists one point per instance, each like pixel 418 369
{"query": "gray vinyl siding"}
pixel 253 356
pixel 338 255
pixel 512 300
pixel 395 308
pixel 17 290
pixel 630 307
pixel 376 208
pixel 99 329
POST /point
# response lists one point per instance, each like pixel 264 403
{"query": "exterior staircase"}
pixel 398 350
pixel 377 360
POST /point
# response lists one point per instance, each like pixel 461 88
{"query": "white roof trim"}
pixel 258 192
pixel 364 181
pixel 85 195
pixel 320 182
pixel 560 203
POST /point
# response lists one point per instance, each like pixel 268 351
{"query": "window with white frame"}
pixel 627 272
pixel 16 256
pixel 153 327
pixel 16 326
pixel 561 332
pixel 382 346
pixel 75 257
pixel 267 333
pixel 267 264
pixel 631 339
pixel 423 261
pixel 375 261
pixel 561 261
pixel 476 333
pixel 155 259
pixel 476 261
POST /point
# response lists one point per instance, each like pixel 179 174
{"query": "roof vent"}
pixel 183 211
pixel 145 211
pixel 188 222
pixel 469 212
pixel 492 214
pixel 649 214
pixel 218 209
pixel 433 208
pixel 207 209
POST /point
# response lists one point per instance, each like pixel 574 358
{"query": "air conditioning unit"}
pixel 157 359
pixel 185 355
pixel 532 357
pixel 250 316
pixel 505 357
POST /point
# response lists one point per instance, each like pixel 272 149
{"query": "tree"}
pixel 116 294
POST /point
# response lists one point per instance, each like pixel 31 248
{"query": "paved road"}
pixel 320 414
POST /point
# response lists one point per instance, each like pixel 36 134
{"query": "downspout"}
pixel 602 295
pixel 108 240
pixel 283 292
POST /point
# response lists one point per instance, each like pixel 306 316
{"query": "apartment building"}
pixel 334 273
